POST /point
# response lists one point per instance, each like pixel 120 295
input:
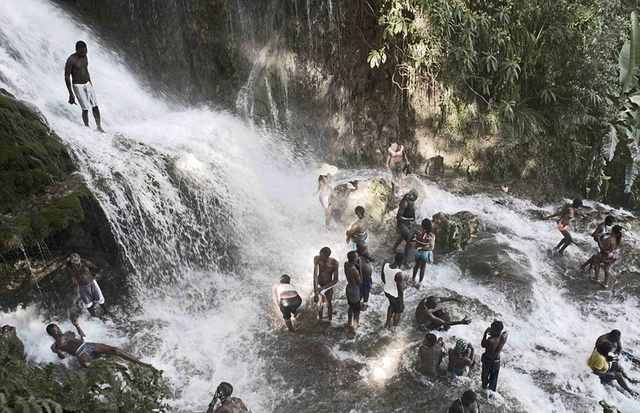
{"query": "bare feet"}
pixel 604 285
pixel 594 279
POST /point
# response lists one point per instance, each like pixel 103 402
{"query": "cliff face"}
pixel 46 211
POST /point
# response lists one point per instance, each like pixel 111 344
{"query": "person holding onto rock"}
pixel 405 216
pixel 88 287
pixel 78 81
pixel 430 314
pixel 354 282
pixel 468 403
pixel 602 230
pixel 425 242
pixel 325 277
pixel 394 289
pixel 430 356
pixel 286 299
pixel 614 338
pixel 608 255
pixel 85 352
pixel 461 359
pixel 396 158
pixel 358 230
pixel 364 265
pixel 228 404
pixel 493 341
pixel 606 367
pixel 566 215
pixel 324 191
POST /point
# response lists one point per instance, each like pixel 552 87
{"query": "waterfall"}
pixel 209 211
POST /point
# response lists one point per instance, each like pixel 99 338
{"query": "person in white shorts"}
pixel 88 287
pixel 76 73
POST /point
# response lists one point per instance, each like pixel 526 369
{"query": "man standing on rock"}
pixel 430 314
pixel 358 230
pixel 78 81
pixel 364 260
pixel 491 358
pixel 394 289
pixel 405 216
pixel 325 277
pixel 88 287
pixel 396 158
pixel 354 281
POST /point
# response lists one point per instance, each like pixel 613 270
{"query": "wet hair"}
pixel 325 251
pixel 426 224
pixel 50 328
pixel 359 210
pixel 431 302
pixel 609 220
pixel 412 195
pixel 431 339
pixel 285 279
pixel 615 334
pixel 577 203
pixel 605 348
pixel 399 257
pixel 468 397
pixel 80 45
pixel 497 326
pixel 617 231
pixel 224 389
pixel 351 256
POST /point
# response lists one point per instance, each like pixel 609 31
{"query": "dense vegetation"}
pixel 542 79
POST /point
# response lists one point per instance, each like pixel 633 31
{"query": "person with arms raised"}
pixel 492 341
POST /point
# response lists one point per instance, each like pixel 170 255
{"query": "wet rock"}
pixel 373 195
pixel 435 167
pixel 315 354
pixel 454 232
pixel 10 345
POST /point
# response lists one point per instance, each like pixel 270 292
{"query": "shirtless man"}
pixel 425 242
pixel 325 275
pixel 358 230
pixel 405 216
pixel 468 403
pixel 396 158
pixel 566 215
pixel 602 230
pixel 354 281
pixel 394 289
pixel 614 338
pixel 461 359
pixel 228 404
pixel 429 314
pixel 430 356
pixel 76 72
pixel 491 357
pixel 364 260
pixel 85 353
pixel 88 288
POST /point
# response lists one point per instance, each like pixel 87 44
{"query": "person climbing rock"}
pixel 425 242
pixel 461 359
pixel 609 254
pixel 228 404
pixel 354 282
pixel 396 161
pixel 325 277
pixel 364 265
pixel 405 216
pixel 602 230
pixel 78 81
pixel 566 214
pixel 85 352
pixel 324 191
pixel 358 230
pixel 286 299
pixel 430 355
pixel 493 345
pixel 430 314
pixel 394 289
pixel 468 403
pixel 614 338
pixel 606 367
pixel 88 287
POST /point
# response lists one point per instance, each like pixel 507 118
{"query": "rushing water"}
pixel 209 211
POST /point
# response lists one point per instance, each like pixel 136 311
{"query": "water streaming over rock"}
pixel 209 211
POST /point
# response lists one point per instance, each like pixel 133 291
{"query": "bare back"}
pixel 233 405
pixel 429 359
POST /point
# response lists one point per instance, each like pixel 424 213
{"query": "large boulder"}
pixel 10 345
pixel 373 195
pixel 454 232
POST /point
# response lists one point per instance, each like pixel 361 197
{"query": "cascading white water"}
pixel 210 212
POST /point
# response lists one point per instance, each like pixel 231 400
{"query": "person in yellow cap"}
pixel 324 190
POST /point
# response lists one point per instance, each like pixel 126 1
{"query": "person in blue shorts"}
pixel 425 242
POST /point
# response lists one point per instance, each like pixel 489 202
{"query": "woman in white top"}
pixel 393 289
pixel 286 298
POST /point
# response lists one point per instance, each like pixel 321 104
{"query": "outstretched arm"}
pixel 447 299
pixel 90 264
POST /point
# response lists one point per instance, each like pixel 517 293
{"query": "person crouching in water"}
pixel 606 367
pixel 286 298
pixel 608 255
pixel 566 215
pixel 601 232
pixel 425 242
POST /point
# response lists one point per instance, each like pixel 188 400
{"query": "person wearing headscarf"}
pixel 461 359
pixel 88 287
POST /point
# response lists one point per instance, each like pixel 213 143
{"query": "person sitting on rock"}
pixel 614 338
pixel 286 299
pixel 405 216
pixel 461 359
pixel 601 232
pixel 608 255
pixel 364 265
pixel 566 215
pixel 358 230
pixel 88 287
pixel 430 314
pixel 85 352
pixel 228 404
pixel 396 157
pixel 606 367
pixel 468 403
pixel 430 356
pixel 425 242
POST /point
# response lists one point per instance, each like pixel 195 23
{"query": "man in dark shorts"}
pixel 228 404
pixel 286 299
pixel 325 276
pixel 433 317
pixel 394 289
pixel 405 216
pixel 354 281
pixel 491 358
pixel 468 403
pixel 364 263
pixel 84 352
pixel 78 81
pixel 88 287
pixel 430 356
